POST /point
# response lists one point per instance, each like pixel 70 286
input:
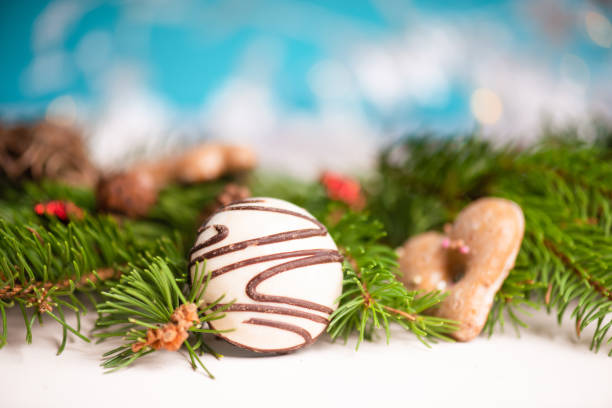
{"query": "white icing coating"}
pixel 319 283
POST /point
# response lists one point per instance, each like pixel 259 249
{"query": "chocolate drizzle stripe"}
pixel 247 201
pixel 266 258
pixel 247 307
pixel 269 239
pixel 324 256
pixel 222 233
pixel 282 326
pixel 276 210
pixel 306 258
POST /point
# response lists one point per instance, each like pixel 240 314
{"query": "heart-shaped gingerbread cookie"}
pixel 470 262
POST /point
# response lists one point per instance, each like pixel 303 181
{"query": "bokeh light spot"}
pixel 599 29
pixel 486 106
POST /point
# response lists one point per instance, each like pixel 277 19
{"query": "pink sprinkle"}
pixel 464 249
pixel 446 243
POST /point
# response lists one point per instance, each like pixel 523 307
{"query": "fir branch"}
pixel 372 297
pixel 28 293
pixel 590 280
pixel 44 261
pixel 152 308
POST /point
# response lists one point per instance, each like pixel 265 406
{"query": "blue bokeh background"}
pixel 271 71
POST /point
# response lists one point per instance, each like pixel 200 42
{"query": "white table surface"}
pixel 546 367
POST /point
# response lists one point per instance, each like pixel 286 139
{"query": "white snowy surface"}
pixel 546 367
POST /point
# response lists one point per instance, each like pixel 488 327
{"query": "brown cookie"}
pixel 134 191
pixel 471 262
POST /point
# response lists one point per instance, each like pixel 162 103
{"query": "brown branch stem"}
pixel 37 292
pixel 368 297
pixel 405 315
pixel 577 270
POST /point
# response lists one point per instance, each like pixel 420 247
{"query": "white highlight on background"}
pixel 486 106
pixel 599 29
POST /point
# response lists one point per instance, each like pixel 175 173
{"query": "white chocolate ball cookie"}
pixel 280 267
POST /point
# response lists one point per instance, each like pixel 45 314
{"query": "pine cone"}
pixel 45 151
pixel 132 193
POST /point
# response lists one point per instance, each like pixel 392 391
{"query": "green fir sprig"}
pixel 141 310
pixel 44 262
pixel 47 266
pixel 372 296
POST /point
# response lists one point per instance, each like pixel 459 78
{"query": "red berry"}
pixel 39 209
pixel 342 188
pixel 63 210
